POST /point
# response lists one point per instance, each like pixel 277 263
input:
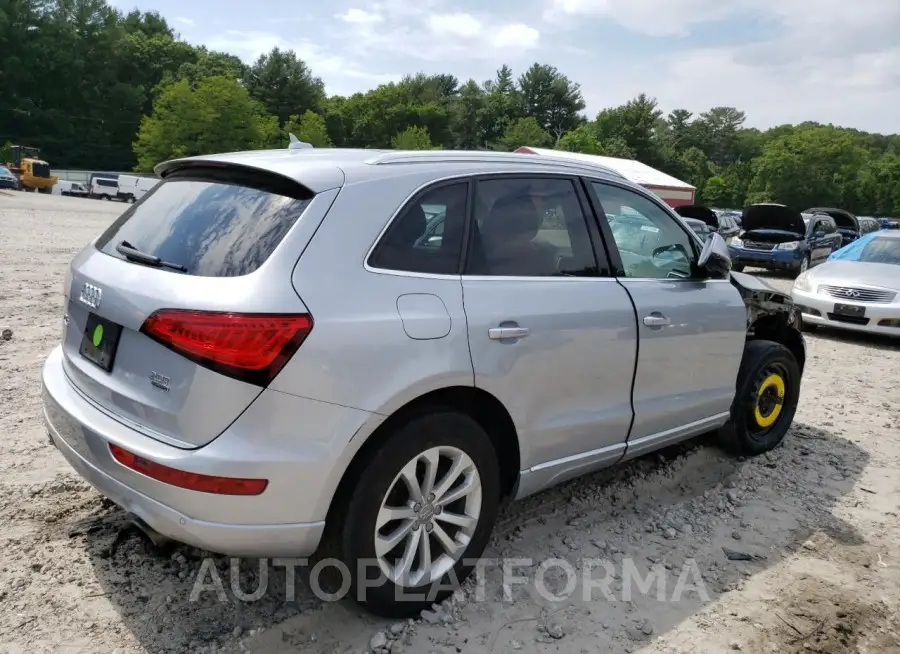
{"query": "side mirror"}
pixel 714 258
pixel 819 233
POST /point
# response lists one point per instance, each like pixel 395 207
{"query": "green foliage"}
pixel 218 115
pixel 412 138
pixel 97 88
pixel 525 132
pixel 310 128
pixel 284 84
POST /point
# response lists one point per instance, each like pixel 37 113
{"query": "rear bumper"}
pixel 817 310
pixel 285 520
pixel 770 260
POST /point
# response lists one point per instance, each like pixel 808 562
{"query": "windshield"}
pixel 874 247
pixel 882 250
pixel 213 229
pixel 4 171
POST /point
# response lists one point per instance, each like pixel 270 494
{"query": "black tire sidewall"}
pixel 759 355
pixel 437 428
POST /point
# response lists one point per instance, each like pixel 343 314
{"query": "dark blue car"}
pixel 776 237
pixel 847 224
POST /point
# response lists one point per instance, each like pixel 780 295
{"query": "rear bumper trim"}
pixel 234 540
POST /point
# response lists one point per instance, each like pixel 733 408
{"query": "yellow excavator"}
pixel 32 171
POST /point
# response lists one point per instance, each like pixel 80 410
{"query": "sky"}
pixel 780 61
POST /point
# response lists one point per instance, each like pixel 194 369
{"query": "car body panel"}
pixel 581 329
pixel 382 339
pixel 708 322
pixel 197 404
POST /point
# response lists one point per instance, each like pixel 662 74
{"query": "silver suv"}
pixel 364 353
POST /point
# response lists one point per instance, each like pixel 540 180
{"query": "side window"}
pixel 830 226
pixel 651 243
pixel 427 235
pixel 530 227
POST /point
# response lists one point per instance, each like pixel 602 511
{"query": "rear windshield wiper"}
pixel 131 253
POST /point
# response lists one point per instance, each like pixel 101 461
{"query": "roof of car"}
pixel 326 168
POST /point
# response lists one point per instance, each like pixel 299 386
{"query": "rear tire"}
pixel 768 390
pixel 384 504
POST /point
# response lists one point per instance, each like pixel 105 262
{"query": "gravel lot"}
pixel 816 519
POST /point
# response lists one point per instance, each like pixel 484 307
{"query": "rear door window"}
pixel 212 227
pixel 427 235
pixel 530 227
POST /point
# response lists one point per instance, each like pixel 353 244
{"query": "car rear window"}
pixel 212 227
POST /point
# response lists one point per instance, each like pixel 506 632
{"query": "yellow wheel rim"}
pixel 773 383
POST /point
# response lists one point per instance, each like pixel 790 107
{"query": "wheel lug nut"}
pixel 431 497
pixel 438 510
pixel 429 527
pixel 416 525
pixel 417 507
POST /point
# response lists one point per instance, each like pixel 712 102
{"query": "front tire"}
pixel 421 513
pixel 768 390
pixel 737 268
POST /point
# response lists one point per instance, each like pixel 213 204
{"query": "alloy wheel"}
pixel 428 517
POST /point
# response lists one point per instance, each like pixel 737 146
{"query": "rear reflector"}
pixel 251 347
pixel 189 480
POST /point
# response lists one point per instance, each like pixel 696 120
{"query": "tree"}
pixel 502 105
pixel 716 192
pixel 551 99
pixel 635 123
pixel 284 84
pixel 153 98
pixel 412 138
pixel 525 132
pixel 581 139
pixel 310 128
pixel 218 115
pixel 467 119
pixel 810 166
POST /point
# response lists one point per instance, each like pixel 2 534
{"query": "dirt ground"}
pixel 811 524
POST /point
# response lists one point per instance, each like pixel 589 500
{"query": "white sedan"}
pixel 858 288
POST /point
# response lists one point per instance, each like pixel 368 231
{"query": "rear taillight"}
pixel 189 480
pixel 250 347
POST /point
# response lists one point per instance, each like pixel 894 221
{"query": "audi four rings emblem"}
pixel 91 295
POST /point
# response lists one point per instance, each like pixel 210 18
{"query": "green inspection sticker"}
pixel 98 335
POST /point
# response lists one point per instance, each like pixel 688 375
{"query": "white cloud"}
pixel 183 20
pixel 516 36
pixel 330 67
pixel 428 31
pixel 778 60
pixel 824 60
pixel 354 15
pixel 462 25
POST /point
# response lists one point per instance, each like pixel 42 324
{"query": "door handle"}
pixel 656 319
pixel 504 333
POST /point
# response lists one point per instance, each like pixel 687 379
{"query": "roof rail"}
pixel 482 156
